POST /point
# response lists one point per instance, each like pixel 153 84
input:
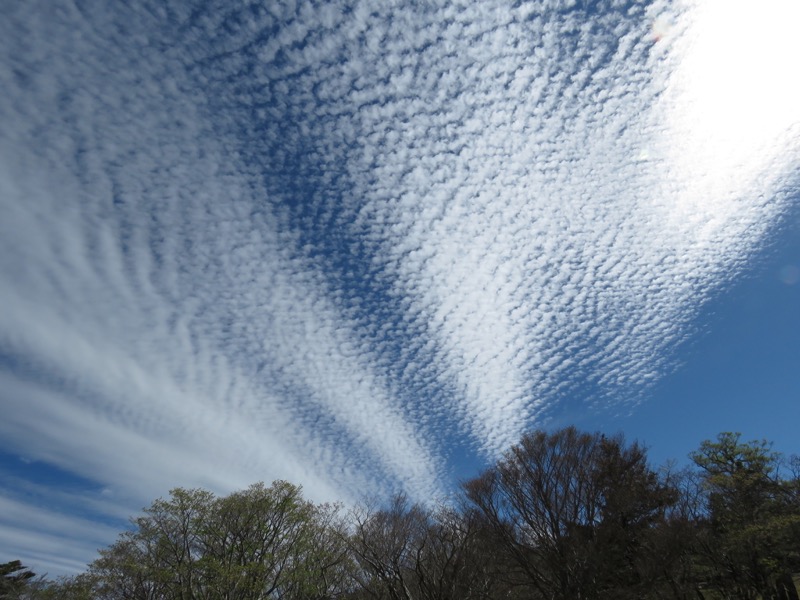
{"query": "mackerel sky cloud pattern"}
pixel 344 243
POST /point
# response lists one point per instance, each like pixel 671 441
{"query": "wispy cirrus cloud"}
pixel 331 244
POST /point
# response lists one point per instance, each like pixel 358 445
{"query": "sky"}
pixel 364 246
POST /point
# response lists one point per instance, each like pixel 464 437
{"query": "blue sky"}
pixel 363 246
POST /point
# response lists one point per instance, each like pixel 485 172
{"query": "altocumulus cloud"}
pixel 334 243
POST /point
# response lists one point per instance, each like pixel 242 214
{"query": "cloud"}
pixel 56 539
pixel 340 245
pixel 40 536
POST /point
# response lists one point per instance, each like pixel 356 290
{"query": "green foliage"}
pixel 80 587
pixel 753 533
pixel 262 542
pixel 563 515
pixel 13 577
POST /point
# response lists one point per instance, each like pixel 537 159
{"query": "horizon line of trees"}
pixel 565 515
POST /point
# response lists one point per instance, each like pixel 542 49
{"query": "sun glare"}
pixel 734 99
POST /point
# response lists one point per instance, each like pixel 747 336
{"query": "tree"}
pixel 326 568
pixel 13 578
pixel 78 587
pixel 270 542
pixel 678 537
pixel 160 557
pixel 410 552
pixel 262 542
pixel 753 517
pixel 574 513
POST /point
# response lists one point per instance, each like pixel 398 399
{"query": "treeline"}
pixel 566 515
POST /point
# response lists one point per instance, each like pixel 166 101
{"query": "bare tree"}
pixel 410 552
pixel 573 512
